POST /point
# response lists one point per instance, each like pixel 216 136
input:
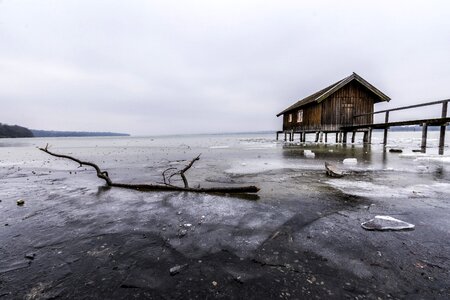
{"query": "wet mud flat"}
pixel 301 237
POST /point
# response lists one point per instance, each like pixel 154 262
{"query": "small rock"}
pixel 20 202
pixel 179 212
pixel 30 255
pixel 238 279
pixel 182 232
pixel 187 225
pixel 176 269
pixel 214 283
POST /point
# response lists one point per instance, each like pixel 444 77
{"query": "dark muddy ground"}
pixel 53 251
pixel 74 239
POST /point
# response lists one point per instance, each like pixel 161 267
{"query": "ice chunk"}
pixel 350 161
pixel 382 223
pixel 309 154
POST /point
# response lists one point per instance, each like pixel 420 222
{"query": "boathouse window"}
pixel 290 118
pixel 300 116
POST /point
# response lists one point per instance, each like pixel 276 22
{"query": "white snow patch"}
pixel 444 159
pixel 364 189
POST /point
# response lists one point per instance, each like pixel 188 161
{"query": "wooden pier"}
pixel 341 135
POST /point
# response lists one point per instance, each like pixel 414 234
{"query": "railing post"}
pixel 423 146
pixel 386 120
pixel 443 127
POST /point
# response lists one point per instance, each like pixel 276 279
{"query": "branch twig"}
pixel 158 187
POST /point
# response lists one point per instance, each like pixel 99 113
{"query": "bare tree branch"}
pixel 158 187
pixel 186 185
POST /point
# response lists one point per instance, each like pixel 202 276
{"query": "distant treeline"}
pixel 14 131
pixel 52 133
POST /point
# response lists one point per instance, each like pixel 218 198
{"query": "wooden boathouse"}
pixel 331 109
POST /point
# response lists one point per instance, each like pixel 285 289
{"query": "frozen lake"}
pixel 70 221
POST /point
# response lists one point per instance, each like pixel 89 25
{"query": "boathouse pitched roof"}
pixel 328 91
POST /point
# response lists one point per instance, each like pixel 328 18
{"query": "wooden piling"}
pixel 443 128
pixel 337 137
pixel 317 136
pixel 366 137
pixel 344 139
pixel 386 120
pixel 423 146
pixel 321 137
pixel 353 137
pixel 285 136
pixel 326 137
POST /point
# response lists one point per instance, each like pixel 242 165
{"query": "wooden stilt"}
pixel 340 136
pixel 443 128
pixel 344 139
pixel 423 146
pixel 385 137
pixel 366 137
pixel 326 137
pixel 317 136
pixel 277 135
pixel 353 137
pixel 442 140
pixel 321 137
pixel 337 137
pixel 386 120
pixel 370 136
pixel 285 136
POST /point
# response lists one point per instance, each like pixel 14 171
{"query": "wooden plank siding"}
pixel 312 118
pixel 338 110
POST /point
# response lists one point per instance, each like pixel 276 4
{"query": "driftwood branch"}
pixel 166 186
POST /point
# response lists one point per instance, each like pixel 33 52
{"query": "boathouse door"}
pixel 347 114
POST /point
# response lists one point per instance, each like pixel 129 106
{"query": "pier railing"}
pixel 442 122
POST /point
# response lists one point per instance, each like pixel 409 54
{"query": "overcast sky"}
pixel 167 67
